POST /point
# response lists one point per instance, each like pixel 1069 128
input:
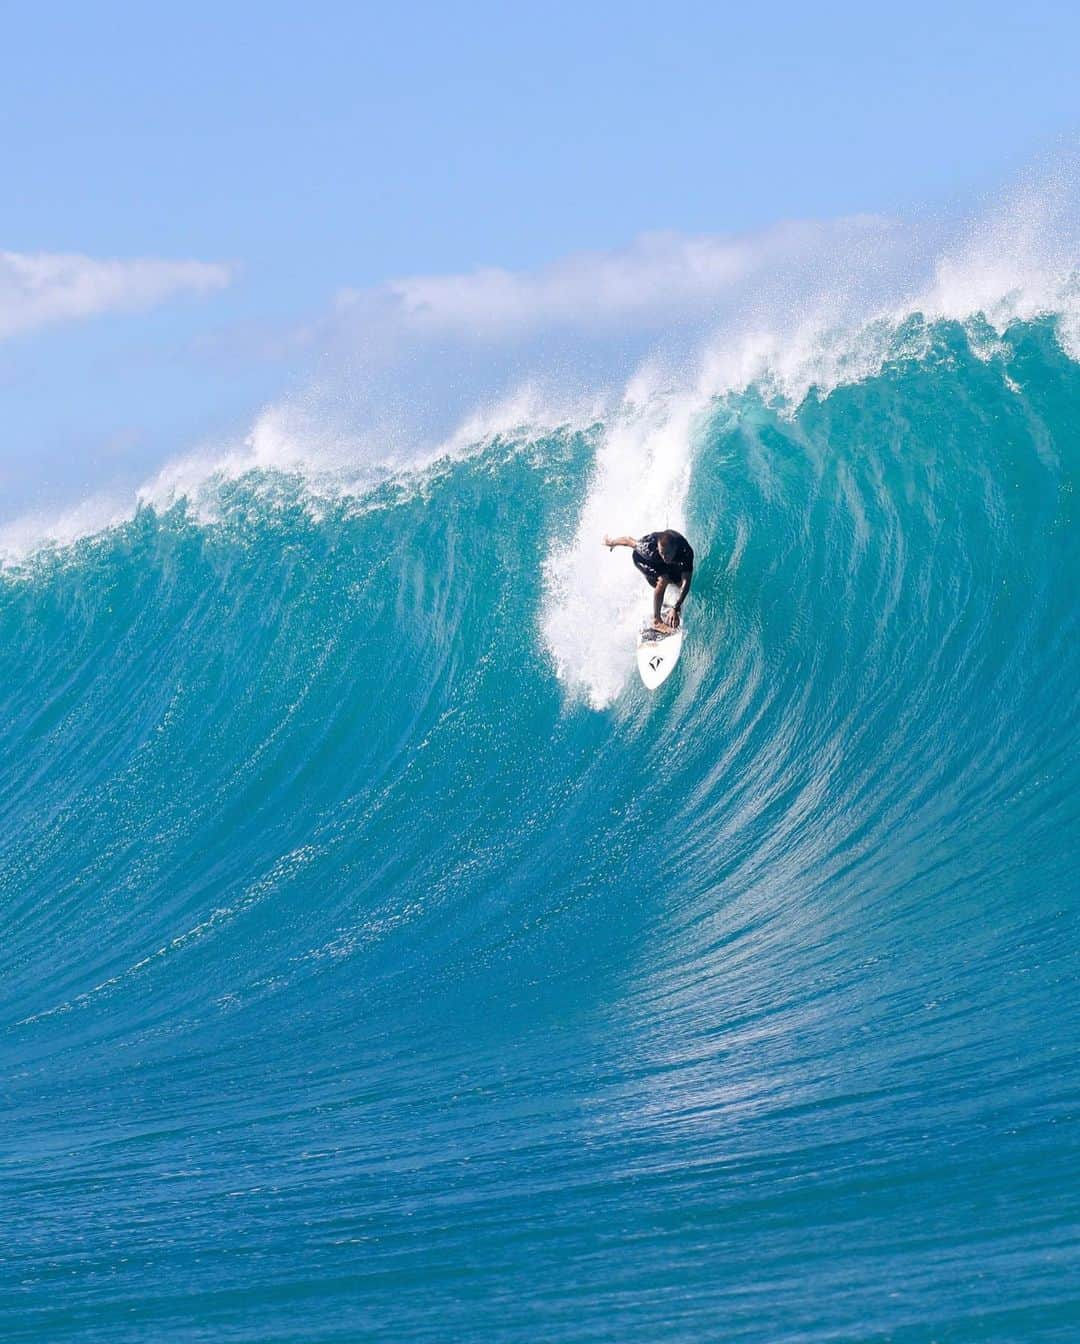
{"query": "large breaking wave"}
pixel 380 960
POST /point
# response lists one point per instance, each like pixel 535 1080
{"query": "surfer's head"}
pixel 666 545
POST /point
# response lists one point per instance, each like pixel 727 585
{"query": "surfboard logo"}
pixel 655 661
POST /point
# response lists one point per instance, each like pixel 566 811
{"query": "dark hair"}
pixel 665 544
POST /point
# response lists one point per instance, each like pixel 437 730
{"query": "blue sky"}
pixel 295 152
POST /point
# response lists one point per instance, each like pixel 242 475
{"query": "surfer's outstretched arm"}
pixel 612 542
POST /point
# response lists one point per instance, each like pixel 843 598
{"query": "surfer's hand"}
pixel 674 618
pixel 609 543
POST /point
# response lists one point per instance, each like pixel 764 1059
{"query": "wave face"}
pixel 381 962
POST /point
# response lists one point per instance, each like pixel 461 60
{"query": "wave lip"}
pixel 432 368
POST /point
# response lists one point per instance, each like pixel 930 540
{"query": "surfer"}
pixel 663 558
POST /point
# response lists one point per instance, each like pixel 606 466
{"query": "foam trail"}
pixel 595 601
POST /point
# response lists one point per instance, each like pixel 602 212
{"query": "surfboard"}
pixel 657 653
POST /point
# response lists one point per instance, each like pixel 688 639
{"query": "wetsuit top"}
pixel 648 552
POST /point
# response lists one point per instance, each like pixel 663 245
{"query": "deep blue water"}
pixel 360 981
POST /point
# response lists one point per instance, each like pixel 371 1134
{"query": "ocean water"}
pixel 380 961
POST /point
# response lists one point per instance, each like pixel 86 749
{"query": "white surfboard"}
pixel 657 652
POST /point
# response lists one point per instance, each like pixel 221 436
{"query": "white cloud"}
pixel 44 287
pixel 658 277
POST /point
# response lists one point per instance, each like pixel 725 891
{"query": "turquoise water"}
pixel 362 980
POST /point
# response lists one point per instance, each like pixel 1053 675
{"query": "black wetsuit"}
pixel 652 564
